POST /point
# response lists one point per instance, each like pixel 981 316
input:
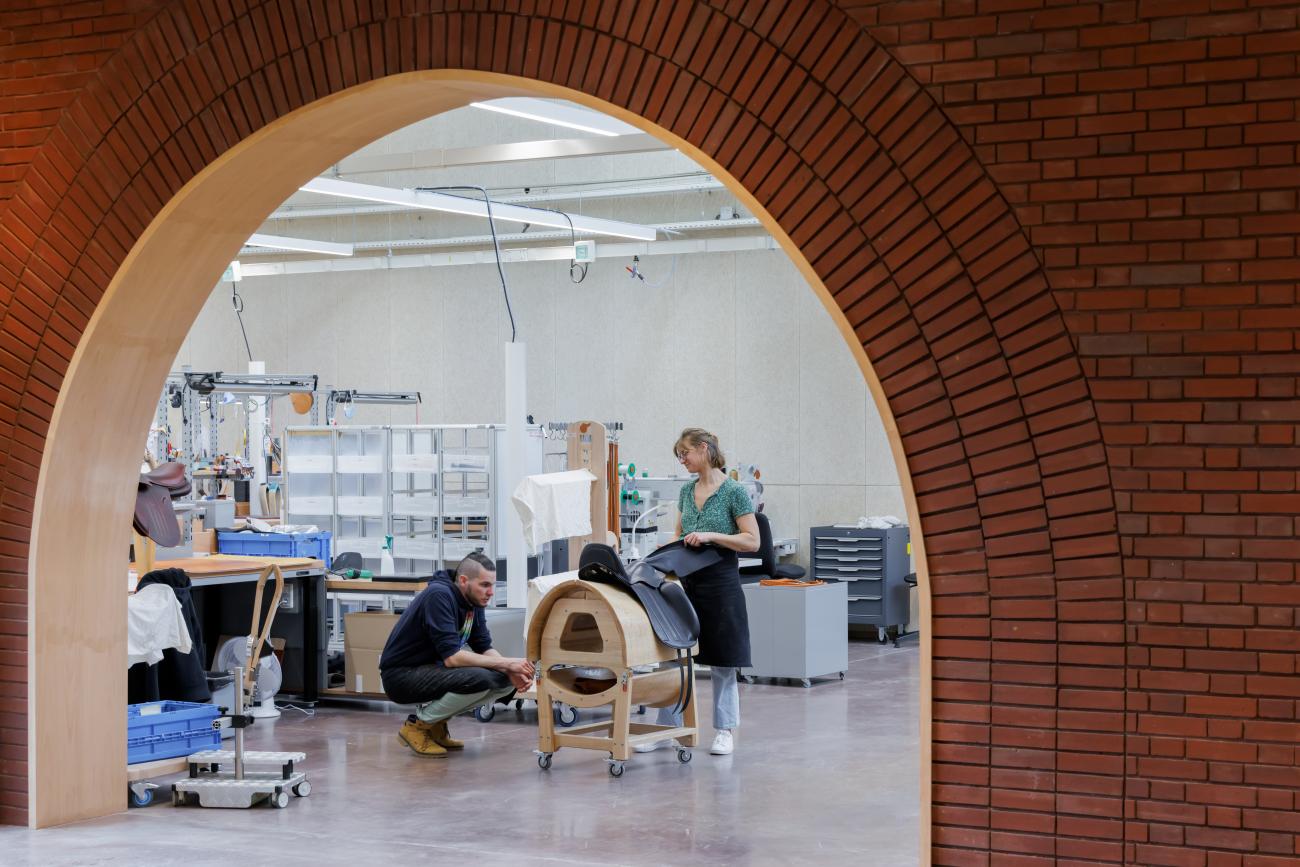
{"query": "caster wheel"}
pixel 747 678
pixel 616 769
pixel 280 799
pixel 684 756
pixel 303 789
pixel 640 709
pixel 140 799
pixel 806 683
pixel 841 675
pixel 565 715
pixel 484 713
pixel 178 799
pixel 519 704
pixel 544 761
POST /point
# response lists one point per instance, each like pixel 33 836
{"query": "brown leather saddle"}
pixel 154 515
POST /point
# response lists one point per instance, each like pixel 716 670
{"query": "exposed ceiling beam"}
pixel 476 208
pixel 525 237
pixel 481 155
pixel 701 183
pixel 615 250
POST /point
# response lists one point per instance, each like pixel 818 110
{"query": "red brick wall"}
pixel 49 52
pixel 1150 150
pixel 1052 610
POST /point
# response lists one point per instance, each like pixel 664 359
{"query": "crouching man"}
pixel 439 657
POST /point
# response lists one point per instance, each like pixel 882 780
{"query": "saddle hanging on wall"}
pixel 154 517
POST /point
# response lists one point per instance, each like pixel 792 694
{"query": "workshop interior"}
pixel 485 334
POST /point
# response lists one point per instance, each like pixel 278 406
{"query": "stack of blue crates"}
pixel 175 728
pixel 315 545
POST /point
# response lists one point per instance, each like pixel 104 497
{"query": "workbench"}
pixel 300 620
pixel 391 596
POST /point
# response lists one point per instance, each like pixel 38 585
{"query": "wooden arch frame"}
pixel 144 185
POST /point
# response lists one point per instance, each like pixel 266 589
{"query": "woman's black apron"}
pixel 720 604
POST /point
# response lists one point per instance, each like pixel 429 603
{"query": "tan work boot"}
pixel 442 737
pixel 419 737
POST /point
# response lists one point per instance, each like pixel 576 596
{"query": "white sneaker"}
pixel 723 744
pixel 654 745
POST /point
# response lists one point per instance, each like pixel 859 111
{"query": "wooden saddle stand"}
pixel 586 624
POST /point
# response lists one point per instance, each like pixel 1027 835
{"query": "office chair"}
pixel 910 578
pixel 347 560
pixel 769 568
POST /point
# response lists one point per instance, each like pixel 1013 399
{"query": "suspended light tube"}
pixel 477 208
pixel 559 114
pixel 299 245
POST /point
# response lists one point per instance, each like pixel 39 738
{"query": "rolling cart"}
pixel 239 778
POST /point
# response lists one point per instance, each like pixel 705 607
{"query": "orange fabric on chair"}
pixel 790 582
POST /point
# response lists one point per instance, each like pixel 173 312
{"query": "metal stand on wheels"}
pixel 240 786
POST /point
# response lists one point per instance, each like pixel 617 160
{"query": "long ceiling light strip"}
pixel 361 247
pixel 517 255
pixel 299 245
pixel 559 114
pixel 704 184
pixel 472 208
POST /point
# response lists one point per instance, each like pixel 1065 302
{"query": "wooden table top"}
pixel 234 564
pixel 363 584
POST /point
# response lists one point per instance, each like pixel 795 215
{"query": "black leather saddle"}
pixel 672 616
pixel 154 516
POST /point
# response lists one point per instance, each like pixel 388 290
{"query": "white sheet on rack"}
pixel 554 506
pixel 154 623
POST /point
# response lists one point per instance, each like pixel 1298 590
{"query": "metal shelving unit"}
pixel 436 489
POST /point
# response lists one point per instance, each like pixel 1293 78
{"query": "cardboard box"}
pixel 364 636
pixel 205 541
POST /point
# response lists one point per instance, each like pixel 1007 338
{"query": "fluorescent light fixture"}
pixel 477 208
pixel 560 114
pixel 299 245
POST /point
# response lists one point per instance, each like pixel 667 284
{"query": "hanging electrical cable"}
pixel 496 247
pixel 577 270
pixel 238 303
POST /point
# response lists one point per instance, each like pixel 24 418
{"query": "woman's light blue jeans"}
pixel 726 701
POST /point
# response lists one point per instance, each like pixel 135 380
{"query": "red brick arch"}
pixel 883 199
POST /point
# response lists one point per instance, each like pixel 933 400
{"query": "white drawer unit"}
pixel 872 564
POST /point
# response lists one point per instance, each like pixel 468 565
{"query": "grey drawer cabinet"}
pixel 793 632
pixel 872 563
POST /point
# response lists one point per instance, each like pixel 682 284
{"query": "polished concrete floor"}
pixel 827 775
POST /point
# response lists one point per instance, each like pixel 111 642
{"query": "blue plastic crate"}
pixel 315 545
pixel 178 729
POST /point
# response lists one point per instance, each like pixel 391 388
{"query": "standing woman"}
pixel 715 510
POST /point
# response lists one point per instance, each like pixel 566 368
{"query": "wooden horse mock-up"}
pixel 593 625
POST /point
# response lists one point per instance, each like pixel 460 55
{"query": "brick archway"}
pixel 877 197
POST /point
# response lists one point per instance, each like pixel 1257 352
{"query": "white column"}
pixel 515 466
pixel 257 441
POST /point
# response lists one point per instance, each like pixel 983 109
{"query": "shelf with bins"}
pixel 436 489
